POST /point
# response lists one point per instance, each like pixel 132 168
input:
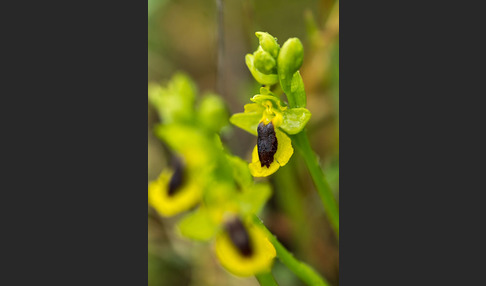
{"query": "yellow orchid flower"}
pixel 271 120
pixel 273 150
pixel 243 249
pixel 175 191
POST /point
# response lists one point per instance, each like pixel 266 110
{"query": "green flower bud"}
pixel 264 62
pixel 175 101
pixel 213 113
pixel 268 43
pixel 265 79
pixel 290 57
pixel 289 61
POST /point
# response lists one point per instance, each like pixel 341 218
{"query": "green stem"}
pixel 290 199
pixel 266 279
pixel 302 270
pixel 325 192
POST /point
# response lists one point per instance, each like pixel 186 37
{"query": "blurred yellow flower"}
pixel 244 250
pixel 169 199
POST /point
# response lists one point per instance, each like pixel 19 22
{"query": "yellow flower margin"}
pixel 280 159
pixel 260 261
pixel 184 199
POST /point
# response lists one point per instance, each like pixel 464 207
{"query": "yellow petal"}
pixel 256 168
pixel 184 199
pixel 230 258
pixel 258 171
pixel 281 157
pixel 254 155
pixel 284 148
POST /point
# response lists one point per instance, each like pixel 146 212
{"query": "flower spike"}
pixel 270 119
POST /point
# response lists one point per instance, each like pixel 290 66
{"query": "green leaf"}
pixel 295 119
pixel 198 225
pixel 266 79
pixel 247 121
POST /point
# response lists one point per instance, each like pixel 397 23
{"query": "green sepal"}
pixel 180 137
pixel 277 103
pixel 221 190
pixel 268 43
pixel 241 172
pixel 247 121
pixel 254 107
pixel 189 141
pixel 198 225
pixel 252 199
pixel 298 91
pixel 295 119
pixel 266 79
pixel 266 91
pixel 264 62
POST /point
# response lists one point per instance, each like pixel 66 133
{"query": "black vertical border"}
pixel 410 146
pixel 75 115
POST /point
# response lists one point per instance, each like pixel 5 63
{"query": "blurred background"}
pixel 183 36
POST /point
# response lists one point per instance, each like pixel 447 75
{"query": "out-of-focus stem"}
pixel 322 186
pixel 291 201
pixel 220 33
pixel 266 279
pixel 306 273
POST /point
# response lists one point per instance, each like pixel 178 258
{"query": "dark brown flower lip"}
pixel 178 178
pixel 239 236
pixel 266 143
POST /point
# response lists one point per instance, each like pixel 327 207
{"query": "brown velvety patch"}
pixel 239 236
pixel 177 178
pixel 266 143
